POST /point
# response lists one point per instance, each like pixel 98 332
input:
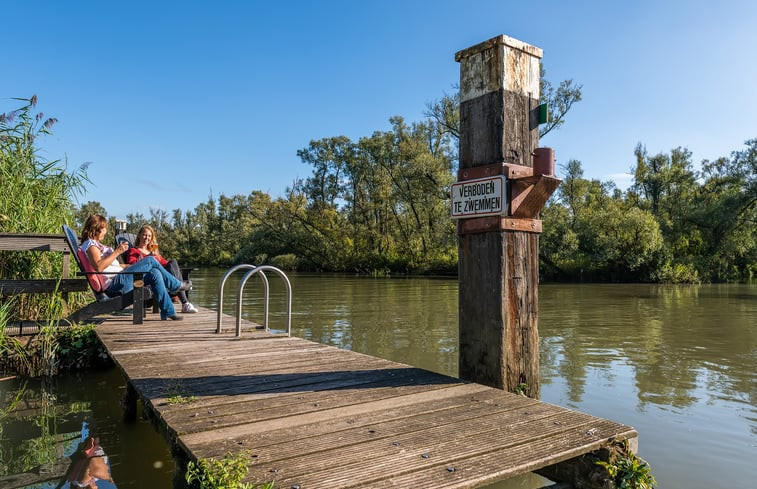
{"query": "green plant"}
pixel 226 473
pixel 37 197
pixel 52 349
pixel 78 347
pixel 521 389
pixel 11 350
pixel 180 399
pixel 629 471
pixel 176 394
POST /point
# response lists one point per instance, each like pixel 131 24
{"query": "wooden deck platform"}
pixel 315 416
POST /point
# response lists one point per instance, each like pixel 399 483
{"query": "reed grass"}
pixel 38 197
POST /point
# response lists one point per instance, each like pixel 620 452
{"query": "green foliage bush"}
pixel 285 262
pixel 226 473
pixel 50 351
pixel 78 348
pixel 628 471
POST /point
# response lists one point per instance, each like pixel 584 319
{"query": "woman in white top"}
pixel 105 259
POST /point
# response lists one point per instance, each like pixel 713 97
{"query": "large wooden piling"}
pixel 498 255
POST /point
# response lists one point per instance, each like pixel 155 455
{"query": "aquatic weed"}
pixel 629 471
pixel 226 473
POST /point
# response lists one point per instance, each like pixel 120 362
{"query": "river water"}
pixel 675 362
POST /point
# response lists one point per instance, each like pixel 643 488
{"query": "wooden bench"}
pixel 64 285
pixel 105 303
pixel 40 243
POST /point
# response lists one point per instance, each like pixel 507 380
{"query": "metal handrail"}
pixel 289 296
pixel 220 293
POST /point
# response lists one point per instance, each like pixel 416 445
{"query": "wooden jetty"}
pixel 314 416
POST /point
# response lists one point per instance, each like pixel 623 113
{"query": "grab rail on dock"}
pixel 220 294
pixel 260 270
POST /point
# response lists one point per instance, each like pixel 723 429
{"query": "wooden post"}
pixel 498 256
pixel 129 402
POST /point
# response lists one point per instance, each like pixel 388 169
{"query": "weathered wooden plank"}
pixel 346 467
pixel 527 201
pixel 38 242
pixel 490 224
pixel 447 406
pixel 336 385
pixel 421 420
pixel 506 462
pixel 297 402
pixel 313 414
pixel 33 242
pixel 37 286
pixel 239 374
pixel 347 411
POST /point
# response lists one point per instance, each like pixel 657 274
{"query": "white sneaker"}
pixel 187 307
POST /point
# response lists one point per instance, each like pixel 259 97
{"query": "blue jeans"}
pixel 159 280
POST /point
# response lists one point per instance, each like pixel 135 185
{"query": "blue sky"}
pixel 174 101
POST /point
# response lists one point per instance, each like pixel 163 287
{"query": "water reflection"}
pixel 89 467
pixel 44 423
pixel 680 344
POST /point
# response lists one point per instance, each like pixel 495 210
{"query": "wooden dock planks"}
pixel 319 417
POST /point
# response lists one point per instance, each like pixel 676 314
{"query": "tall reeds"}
pixel 38 196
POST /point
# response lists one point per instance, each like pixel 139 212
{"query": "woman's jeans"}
pixel 174 269
pixel 159 280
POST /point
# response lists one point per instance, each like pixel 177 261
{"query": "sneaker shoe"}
pixel 175 317
pixel 187 307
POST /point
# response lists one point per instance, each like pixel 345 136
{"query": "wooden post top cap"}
pixel 501 39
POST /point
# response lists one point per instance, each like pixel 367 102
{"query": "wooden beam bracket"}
pixel 528 196
pixel 496 223
pixel 511 171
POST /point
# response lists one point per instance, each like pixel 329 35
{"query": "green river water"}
pixel 675 362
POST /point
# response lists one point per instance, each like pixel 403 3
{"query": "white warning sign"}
pixel 478 198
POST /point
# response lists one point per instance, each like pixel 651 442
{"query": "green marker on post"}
pixel 543 114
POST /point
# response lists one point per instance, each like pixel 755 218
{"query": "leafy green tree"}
pixel 380 204
pixel 85 210
pixel 592 234
pixel 666 185
pixel 726 213
pixel 707 219
pixel 559 101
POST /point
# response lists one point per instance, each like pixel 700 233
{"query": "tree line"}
pixel 380 205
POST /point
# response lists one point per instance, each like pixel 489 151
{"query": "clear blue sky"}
pixel 173 101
